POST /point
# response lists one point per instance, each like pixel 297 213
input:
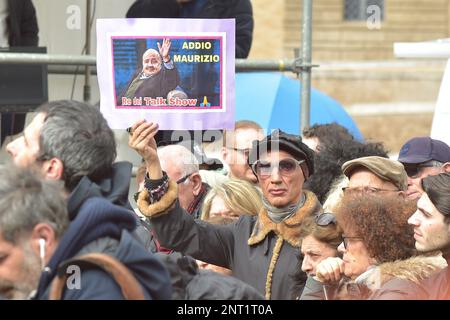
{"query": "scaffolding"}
pixel 301 65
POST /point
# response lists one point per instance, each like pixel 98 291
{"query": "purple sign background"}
pixel 109 34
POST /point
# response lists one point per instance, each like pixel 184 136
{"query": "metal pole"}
pixel 87 71
pixel 306 70
pixel 90 60
pixel 40 58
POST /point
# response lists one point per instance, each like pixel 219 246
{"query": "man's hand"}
pixel 142 139
pixel 330 270
pixel 164 50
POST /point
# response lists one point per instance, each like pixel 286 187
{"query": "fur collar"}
pixel 288 229
pixel 412 269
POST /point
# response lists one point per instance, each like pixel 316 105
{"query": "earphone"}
pixel 42 251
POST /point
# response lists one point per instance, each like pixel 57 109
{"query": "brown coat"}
pixel 398 280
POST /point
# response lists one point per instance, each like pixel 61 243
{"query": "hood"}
pixel 413 269
pixel 97 218
pixel 114 188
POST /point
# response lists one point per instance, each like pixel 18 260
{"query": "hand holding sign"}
pixel 142 139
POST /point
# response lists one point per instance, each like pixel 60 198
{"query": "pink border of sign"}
pixel 168 107
pixel 173 118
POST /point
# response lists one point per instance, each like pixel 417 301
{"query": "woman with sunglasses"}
pixel 379 260
pixel 260 250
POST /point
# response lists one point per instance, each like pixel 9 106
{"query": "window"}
pixel 356 10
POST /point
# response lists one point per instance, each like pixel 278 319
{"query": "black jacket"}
pixel 241 10
pixel 103 227
pixel 258 251
pixel 22 23
pixel 191 283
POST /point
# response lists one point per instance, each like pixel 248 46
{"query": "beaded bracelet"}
pixel 156 188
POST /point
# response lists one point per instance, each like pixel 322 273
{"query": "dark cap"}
pixel 290 143
pixel 387 169
pixel 423 149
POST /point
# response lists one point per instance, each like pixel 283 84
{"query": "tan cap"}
pixel 389 170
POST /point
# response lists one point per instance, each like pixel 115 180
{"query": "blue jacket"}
pixel 114 188
pixel 103 227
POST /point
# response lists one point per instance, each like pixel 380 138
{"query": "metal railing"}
pixel 293 65
pixel 64 64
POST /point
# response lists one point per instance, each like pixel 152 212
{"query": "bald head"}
pixel 151 62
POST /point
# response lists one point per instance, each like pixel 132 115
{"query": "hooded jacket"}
pixel 398 280
pixel 103 227
pixel 258 251
pixel 114 188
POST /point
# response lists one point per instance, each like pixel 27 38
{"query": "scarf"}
pixel 195 205
pixel 280 214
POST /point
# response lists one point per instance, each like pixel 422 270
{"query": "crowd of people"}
pixel 318 216
pixel 257 232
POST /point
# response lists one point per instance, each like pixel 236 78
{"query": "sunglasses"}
pixel 286 167
pixel 413 171
pixel 325 219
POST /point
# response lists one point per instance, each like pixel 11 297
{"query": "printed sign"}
pixel 177 72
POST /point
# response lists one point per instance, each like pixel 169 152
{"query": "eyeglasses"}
pixel 325 219
pixel 366 189
pixel 346 241
pixel 286 167
pixel 183 179
pixel 245 152
pixel 413 171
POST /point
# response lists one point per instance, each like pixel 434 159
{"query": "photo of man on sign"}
pixel 157 78
pixel 180 73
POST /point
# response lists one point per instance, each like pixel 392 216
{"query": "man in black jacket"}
pixel 21 31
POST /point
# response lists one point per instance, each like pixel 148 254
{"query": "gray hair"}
pixel 180 157
pixel 78 135
pixel 27 200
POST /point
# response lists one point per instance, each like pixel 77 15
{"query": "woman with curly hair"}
pixel 379 260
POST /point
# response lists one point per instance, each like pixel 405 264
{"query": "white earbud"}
pixel 42 251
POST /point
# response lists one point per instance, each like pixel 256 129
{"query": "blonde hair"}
pixel 239 196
